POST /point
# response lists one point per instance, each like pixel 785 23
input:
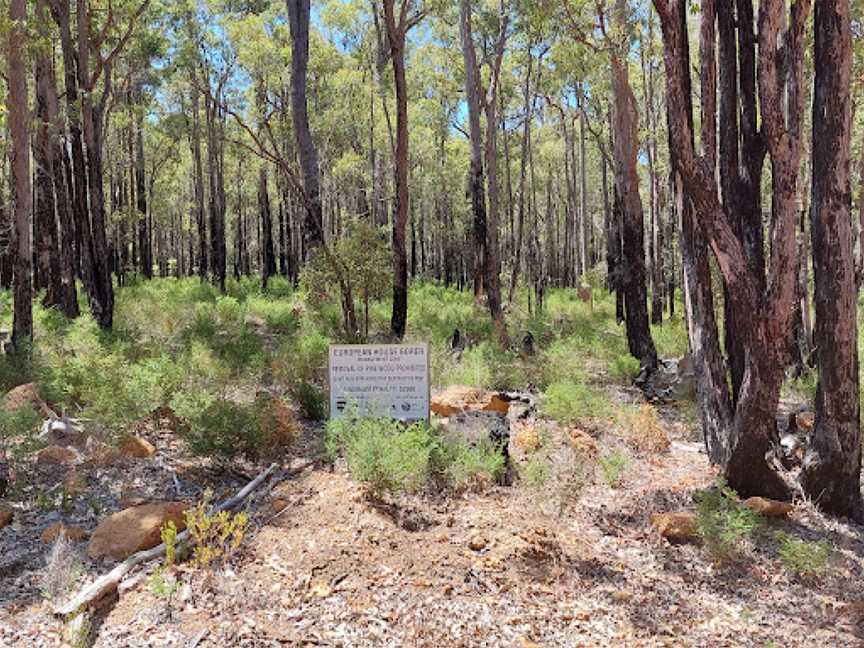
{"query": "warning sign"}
pixel 380 379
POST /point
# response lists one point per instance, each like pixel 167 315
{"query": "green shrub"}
pixel 569 401
pixel 624 368
pixel 723 522
pixel 534 472
pixel 803 557
pixel 467 467
pixel 21 422
pixel 311 399
pixel 384 455
pixel 613 467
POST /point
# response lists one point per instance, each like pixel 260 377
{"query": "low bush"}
pixel 641 428
pixel 569 401
pixel 467 467
pixel 216 426
pixel 385 456
pixel 803 557
pixel 723 522
pixel 534 472
pixel 624 368
pixel 214 537
pixel 613 466
pixel 390 457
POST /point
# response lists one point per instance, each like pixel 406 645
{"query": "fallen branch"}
pixel 107 584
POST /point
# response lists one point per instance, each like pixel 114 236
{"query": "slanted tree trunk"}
pixel 16 79
pixel 625 149
pixel 741 448
pixel 313 227
pixel 831 473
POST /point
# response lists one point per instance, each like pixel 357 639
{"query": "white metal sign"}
pixel 380 379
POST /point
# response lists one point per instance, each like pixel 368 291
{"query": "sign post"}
pixel 389 380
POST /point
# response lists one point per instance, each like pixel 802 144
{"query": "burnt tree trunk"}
pixel 625 147
pixel 832 466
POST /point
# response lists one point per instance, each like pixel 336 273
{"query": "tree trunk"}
pixel 313 230
pixel 44 215
pixel 396 39
pixel 639 339
pixel 144 249
pixel 832 466
pixel 16 79
pixel 268 254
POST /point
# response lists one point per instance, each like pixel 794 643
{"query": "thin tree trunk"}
pixel 16 79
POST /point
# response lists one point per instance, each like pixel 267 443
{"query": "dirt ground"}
pixel 512 566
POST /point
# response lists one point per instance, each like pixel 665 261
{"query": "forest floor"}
pixel 512 566
pixel 569 558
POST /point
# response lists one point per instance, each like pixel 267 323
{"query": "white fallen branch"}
pixel 107 584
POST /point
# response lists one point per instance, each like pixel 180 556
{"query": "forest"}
pixel 627 234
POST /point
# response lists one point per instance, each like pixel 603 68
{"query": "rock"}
pixel 136 447
pixel 677 528
pixel 278 504
pixel 54 455
pixel 621 596
pixel 477 542
pixel 62 432
pixel 24 396
pixel 75 534
pixel 134 529
pixel 768 507
pixel 459 398
pixel 6 515
pixel 525 642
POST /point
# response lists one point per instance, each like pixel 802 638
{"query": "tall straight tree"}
pixel 832 464
pixel 16 78
pixel 313 227
pixel 53 158
pixel 625 150
pixel 485 222
pixel 397 30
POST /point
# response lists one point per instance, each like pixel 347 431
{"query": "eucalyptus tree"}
pixel 18 100
pixel 739 435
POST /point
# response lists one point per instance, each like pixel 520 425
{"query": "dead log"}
pixel 105 585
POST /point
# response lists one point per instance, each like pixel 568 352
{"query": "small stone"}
pixel 54 455
pixel 621 596
pixel 53 531
pixel 477 542
pixel 768 507
pixel 320 589
pixel 524 642
pixel 677 528
pixel 136 447
pixel 6 515
pixel 277 505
